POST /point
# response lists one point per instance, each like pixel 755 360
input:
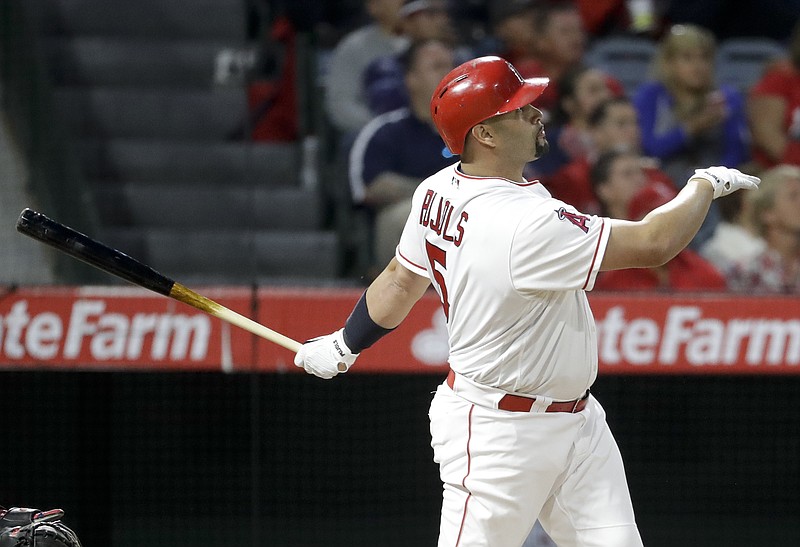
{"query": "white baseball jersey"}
pixel 510 264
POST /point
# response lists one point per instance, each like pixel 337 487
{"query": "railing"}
pixel 55 177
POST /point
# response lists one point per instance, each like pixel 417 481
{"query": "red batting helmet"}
pixel 476 91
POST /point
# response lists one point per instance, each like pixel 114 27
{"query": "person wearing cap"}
pixel 345 104
pixel 384 78
pixel 394 152
pixel 514 428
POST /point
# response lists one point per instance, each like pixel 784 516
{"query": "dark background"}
pixel 180 459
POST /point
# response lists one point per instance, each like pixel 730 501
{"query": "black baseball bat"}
pixel 103 257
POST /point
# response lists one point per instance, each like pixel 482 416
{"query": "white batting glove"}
pixel 726 180
pixel 325 356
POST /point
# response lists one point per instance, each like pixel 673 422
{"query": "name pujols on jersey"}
pixel 437 215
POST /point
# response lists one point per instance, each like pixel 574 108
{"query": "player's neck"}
pixel 492 169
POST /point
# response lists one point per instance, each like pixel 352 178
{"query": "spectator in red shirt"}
pixel 622 189
pixel 613 126
pixel 774 110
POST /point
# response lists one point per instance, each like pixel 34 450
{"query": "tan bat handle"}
pixel 188 296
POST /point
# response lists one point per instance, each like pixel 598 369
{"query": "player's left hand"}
pixel 325 356
pixel 726 180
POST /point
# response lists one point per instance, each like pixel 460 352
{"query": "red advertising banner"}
pixel 637 334
pixel 119 328
pixel 419 344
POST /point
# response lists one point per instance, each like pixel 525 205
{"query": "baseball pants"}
pixel 501 470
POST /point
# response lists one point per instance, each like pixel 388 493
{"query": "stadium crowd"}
pixel 622 140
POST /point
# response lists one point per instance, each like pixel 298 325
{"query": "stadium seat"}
pixel 168 162
pixel 114 61
pixel 201 115
pixel 741 61
pixel 626 58
pixel 192 207
pixel 176 19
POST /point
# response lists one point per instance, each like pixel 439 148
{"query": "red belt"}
pixel 518 403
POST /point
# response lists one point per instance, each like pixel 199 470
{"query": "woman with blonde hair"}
pixel 686 120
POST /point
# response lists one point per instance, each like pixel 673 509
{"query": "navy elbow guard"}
pixel 360 331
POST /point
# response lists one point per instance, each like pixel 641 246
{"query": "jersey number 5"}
pixel 438 256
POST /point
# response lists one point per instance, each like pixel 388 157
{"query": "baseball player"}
pixel 514 429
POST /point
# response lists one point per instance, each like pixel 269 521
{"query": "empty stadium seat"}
pixel 175 19
pixel 201 256
pixel 627 58
pixel 109 112
pixel 167 162
pixel 159 137
pixel 113 61
pixel 741 61
pixel 189 206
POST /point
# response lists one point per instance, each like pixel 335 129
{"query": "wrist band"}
pixel 360 331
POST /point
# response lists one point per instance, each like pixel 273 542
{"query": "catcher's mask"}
pixel 476 91
pixel 23 527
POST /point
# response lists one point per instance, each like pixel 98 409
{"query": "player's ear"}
pixel 484 134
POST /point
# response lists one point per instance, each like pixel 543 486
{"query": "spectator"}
pixel 735 238
pixel 513 24
pixel 384 79
pixel 560 44
pixel 686 121
pixel 622 189
pixel 613 126
pixel 774 110
pixel 775 211
pixel 582 89
pixel 397 150
pixel 345 102
pixel 272 106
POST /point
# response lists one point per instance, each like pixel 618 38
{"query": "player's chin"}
pixel 542 147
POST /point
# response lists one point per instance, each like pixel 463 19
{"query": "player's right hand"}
pixel 325 356
pixel 725 180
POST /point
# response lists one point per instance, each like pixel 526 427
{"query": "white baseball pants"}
pixel 501 470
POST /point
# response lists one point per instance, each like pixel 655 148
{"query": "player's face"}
pixel 521 131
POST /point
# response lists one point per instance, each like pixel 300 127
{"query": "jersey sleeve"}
pixel 410 251
pixel 557 248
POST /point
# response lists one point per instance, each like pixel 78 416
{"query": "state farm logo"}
pixel 91 332
pixel 431 346
pixel 686 335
